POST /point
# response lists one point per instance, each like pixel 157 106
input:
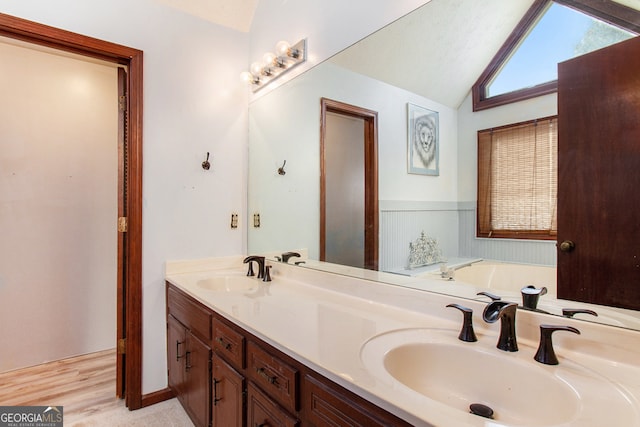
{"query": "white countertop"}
pixel 323 320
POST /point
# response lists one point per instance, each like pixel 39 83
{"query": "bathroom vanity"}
pixel 214 364
pixel 316 348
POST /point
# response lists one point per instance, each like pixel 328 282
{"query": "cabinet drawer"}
pixel 277 379
pixel 228 343
pixel 262 411
pixel 326 405
pixel 191 314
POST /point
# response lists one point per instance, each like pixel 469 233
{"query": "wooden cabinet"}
pixel 325 404
pixel 249 382
pixel 176 343
pixel 273 375
pixel 189 355
pixel 188 366
pixel 262 411
pixel 228 395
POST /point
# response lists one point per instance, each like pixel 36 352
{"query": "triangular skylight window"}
pixel 526 66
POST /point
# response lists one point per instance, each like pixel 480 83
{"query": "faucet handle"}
pixel 570 312
pixel 545 353
pixel 467 333
pixel 531 295
pixel 287 255
pixel 492 297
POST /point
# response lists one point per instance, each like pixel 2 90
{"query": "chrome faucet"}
pixel 287 255
pixel 506 312
pixel 260 261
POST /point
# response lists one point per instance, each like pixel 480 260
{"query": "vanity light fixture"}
pixel 273 65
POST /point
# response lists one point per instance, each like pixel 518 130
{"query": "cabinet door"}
pixel 228 393
pixel 176 348
pixel 198 384
pixel 262 411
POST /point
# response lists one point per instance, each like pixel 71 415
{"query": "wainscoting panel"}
pixel 453 225
pixel 510 250
pixel 403 222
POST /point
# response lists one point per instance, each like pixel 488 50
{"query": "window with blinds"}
pixel 518 180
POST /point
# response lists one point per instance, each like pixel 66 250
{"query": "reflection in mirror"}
pixel 434 66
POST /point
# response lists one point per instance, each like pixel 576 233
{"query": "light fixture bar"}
pixel 275 65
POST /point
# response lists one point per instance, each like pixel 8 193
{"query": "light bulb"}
pixel 247 77
pixel 270 59
pixel 282 48
pixel 256 68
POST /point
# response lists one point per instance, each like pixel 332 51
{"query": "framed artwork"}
pixel 423 141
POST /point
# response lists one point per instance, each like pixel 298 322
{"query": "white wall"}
pixel 58 205
pixel 194 102
pixel 286 125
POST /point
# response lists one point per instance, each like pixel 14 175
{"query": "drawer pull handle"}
pixel 271 380
pixel 178 344
pixel 215 392
pixel 227 346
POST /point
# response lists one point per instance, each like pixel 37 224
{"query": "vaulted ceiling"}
pixel 235 14
pixel 437 51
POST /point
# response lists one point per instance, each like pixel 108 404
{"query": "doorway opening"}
pixel 129 283
pixel 348 184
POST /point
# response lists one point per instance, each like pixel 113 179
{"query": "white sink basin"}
pixel 520 391
pixel 230 284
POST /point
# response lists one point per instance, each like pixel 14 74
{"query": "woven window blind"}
pixel 518 180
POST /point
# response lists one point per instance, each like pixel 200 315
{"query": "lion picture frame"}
pixel 423 140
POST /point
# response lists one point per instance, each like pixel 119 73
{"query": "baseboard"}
pixel 157 397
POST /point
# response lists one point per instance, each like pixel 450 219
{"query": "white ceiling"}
pixel 439 50
pixel 235 14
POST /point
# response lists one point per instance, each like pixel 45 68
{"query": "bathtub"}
pixel 502 276
pixel 507 279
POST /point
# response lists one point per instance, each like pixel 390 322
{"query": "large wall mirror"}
pixel 430 58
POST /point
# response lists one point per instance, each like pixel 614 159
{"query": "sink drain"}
pixel 481 410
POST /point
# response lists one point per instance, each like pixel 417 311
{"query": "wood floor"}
pixel 84 385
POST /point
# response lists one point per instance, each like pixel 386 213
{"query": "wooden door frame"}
pixel 370 171
pixel 44 35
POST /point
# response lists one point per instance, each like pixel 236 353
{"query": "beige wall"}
pixel 58 205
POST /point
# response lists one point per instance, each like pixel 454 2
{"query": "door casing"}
pixel 371 176
pixel 130 299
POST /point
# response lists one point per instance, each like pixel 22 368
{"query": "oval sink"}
pixel 519 390
pixel 460 376
pixel 229 283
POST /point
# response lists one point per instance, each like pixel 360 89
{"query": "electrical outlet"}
pixel 234 220
pixel 256 220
